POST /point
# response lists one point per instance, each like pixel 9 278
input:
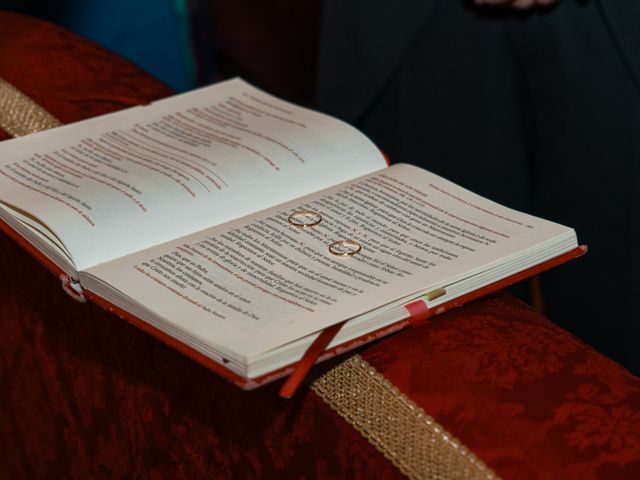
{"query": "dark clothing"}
pixel 538 111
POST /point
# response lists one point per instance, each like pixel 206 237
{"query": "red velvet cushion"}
pixel 83 394
pixel 527 397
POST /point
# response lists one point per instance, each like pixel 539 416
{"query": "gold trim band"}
pixel 19 115
pixel 412 440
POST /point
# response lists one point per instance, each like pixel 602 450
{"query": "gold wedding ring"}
pixel 305 218
pixel 345 248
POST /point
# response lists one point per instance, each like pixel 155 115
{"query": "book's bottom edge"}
pixel 253 383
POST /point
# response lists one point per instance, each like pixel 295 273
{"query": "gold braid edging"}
pixel 412 440
pixel 19 115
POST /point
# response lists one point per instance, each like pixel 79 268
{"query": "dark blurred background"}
pixel 189 43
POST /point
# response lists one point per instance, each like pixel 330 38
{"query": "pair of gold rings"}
pixel 311 218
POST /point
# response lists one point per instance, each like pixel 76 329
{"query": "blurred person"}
pixel 533 103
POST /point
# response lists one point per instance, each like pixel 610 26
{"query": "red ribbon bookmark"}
pixel 419 312
pixel 309 358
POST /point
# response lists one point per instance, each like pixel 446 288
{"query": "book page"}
pixel 126 181
pixel 255 284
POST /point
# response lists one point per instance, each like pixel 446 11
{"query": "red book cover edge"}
pixel 415 316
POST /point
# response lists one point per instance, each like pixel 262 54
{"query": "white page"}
pixel 123 182
pixel 254 284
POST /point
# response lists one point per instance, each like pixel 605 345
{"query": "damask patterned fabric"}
pixel 528 398
pixel 83 394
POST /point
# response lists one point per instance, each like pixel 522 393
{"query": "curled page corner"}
pixel 72 288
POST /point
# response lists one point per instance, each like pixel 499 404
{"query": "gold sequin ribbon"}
pixel 412 440
pixel 19 115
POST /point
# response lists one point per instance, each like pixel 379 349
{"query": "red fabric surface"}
pixel 83 394
pixel 528 398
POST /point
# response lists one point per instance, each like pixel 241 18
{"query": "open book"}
pixel 236 226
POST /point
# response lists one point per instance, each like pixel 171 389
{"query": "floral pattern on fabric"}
pixel 528 398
